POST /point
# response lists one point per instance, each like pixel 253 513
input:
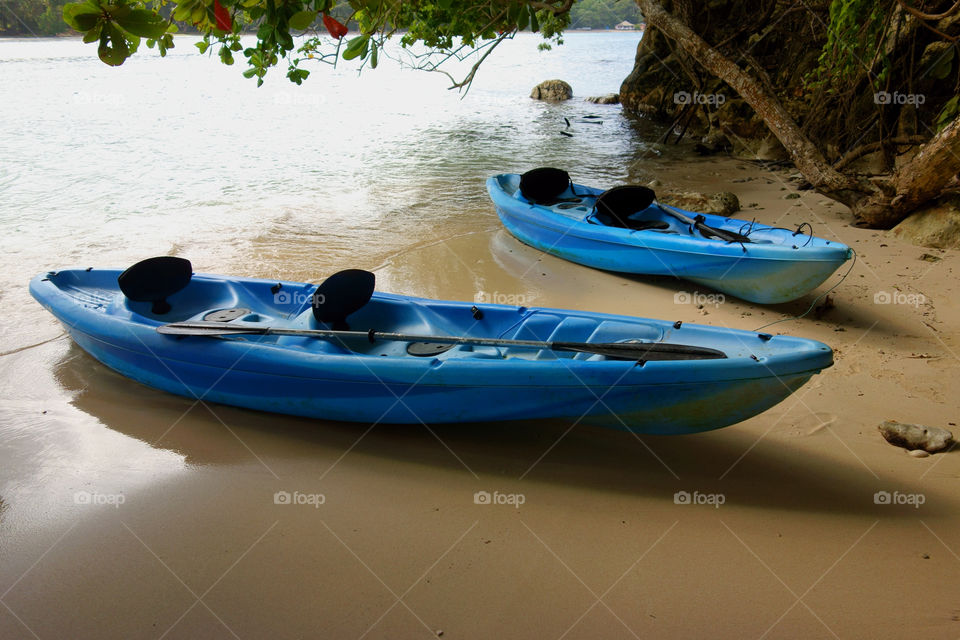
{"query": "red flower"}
pixel 336 29
pixel 224 23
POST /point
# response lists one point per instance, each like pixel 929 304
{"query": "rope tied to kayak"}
pixel 818 298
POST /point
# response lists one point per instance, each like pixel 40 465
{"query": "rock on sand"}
pixel 915 436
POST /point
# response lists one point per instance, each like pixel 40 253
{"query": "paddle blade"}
pixel 208 329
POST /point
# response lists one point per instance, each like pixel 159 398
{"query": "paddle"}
pixel 619 350
pixel 698 222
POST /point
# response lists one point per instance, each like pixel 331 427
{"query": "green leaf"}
pixel 534 25
pixel 81 16
pixel 302 20
pixel 373 55
pixel 182 12
pixel 113 49
pixel 198 14
pixel 940 69
pixel 143 22
pixel 523 19
pixel 356 47
pixel 93 35
pixel 947 114
pixel 203 45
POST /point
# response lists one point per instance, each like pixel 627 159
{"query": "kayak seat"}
pixel 544 185
pixel 342 294
pixel 614 208
pixel 154 280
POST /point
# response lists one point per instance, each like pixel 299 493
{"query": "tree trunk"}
pixel 803 152
pixel 918 181
pixel 879 206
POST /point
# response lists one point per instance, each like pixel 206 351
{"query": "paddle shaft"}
pixel 623 350
pixel 721 233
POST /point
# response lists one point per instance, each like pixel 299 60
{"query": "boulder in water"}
pixel 552 90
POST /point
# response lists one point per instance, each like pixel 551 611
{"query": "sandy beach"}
pixel 130 513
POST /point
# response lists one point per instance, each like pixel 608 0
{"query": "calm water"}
pixel 102 166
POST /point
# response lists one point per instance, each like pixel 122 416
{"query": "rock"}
pixel 771 148
pixel 936 225
pixel 919 453
pixel 915 436
pixel 610 98
pixel 791 196
pixel 934 62
pixel 552 90
pixel 716 140
pixel 721 204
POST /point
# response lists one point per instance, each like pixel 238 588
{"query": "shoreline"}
pixel 600 515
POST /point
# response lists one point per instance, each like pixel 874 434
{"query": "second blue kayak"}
pixel 751 261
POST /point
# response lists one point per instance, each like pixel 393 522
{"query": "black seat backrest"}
pixel 615 205
pixel 341 294
pixel 154 279
pixel 543 185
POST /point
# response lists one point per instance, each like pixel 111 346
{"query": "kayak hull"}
pixel 782 267
pixel 379 383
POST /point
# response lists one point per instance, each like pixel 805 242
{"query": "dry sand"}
pixel 598 549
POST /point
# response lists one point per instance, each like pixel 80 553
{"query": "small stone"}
pixel 791 196
pixel 915 436
pixel 439 632
pixel 919 453
pixel 929 257
pixel 926 556
pixel 609 98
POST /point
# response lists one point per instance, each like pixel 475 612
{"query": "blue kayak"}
pixel 626 230
pixel 342 351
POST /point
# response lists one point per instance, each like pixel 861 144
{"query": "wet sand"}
pixel 129 513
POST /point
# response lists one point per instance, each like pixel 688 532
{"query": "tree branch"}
pixel 930 16
pixel 804 154
pixel 864 149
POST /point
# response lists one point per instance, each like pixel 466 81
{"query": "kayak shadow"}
pixel 726 462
